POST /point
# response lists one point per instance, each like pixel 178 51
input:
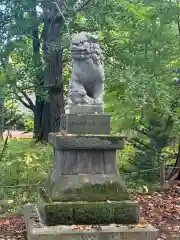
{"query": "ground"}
pixel 161 209
pixel 32 162
pixel 18 134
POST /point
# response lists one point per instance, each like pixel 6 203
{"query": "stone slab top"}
pixel 84 109
pixel 127 202
pixel 68 230
pixel 87 115
pixel 72 141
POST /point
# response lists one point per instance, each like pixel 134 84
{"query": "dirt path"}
pixel 18 134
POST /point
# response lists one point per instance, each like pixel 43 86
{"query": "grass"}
pixel 24 165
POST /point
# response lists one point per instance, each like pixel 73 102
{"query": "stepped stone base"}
pixel 85 124
pixel 87 212
pixel 59 141
pixel 36 230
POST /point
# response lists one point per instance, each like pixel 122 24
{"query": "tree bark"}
pixel 42 120
pixel 42 124
pixel 1 116
pixel 54 26
pixel 57 107
pixel 53 73
pixel 175 173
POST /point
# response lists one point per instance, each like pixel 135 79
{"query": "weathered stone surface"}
pixel 86 187
pixel 85 124
pixel 80 213
pixel 109 160
pixel 86 85
pixel 85 142
pixel 84 109
pixel 84 162
pixel 88 211
pixel 37 231
pixel 51 138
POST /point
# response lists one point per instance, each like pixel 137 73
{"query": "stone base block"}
pixel 84 109
pixel 86 187
pixel 87 212
pixel 60 141
pixel 36 230
pixel 85 124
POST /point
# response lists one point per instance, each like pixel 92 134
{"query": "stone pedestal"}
pixel 85 186
pixel 80 160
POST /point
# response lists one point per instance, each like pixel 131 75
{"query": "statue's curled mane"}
pixel 85 46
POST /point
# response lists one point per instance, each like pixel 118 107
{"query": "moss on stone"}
pixel 123 214
pixel 95 192
pixel 94 213
pixel 61 213
pixel 57 214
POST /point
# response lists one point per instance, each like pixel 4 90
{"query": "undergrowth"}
pixel 25 165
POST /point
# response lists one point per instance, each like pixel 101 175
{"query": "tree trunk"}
pixel 1 116
pixel 57 107
pixel 54 26
pixel 42 125
pixel 175 174
pixel 53 73
pixel 42 120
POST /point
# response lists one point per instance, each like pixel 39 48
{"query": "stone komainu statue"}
pixel 86 85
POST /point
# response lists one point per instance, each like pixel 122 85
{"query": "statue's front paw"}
pixel 88 100
pixel 98 101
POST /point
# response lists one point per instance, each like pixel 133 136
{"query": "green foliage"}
pixel 29 124
pixel 31 162
pixel 140 40
pixel 24 164
pixel 12 115
pixel 142 61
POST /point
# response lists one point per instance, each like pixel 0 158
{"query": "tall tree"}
pixel 46 29
pixel 59 17
pixel 1 115
pixel 141 45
